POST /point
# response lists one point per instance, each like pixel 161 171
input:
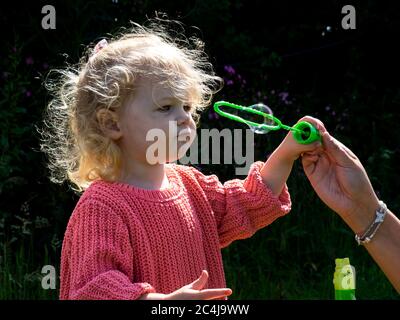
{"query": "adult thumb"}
pixel 336 150
pixel 199 283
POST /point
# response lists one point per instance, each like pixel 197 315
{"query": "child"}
pixel 147 229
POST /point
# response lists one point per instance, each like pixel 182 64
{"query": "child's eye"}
pixel 188 108
pixel 164 108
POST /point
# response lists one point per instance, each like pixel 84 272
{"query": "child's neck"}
pixel 146 176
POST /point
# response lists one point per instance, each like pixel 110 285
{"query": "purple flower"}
pixel 29 60
pixel 284 96
pixel 229 83
pixel 229 69
pixel 28 93
pixel 45 65
pixel 212 115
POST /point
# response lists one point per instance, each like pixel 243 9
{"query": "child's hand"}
pixel 193 291
pixel 290 149
pixel 276 169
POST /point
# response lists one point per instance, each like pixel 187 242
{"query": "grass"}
pixel 274 275
pixel 20 274
pixel 294 257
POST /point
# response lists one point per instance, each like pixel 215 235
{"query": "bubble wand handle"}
pixel 303 132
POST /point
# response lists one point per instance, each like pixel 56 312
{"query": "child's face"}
pixel 156 127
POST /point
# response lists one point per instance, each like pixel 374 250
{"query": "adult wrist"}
pixel 369 233
pixel 360 218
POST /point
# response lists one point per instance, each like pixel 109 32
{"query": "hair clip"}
pixel 100 45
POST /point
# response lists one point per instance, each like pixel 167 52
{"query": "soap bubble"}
pixel 258 119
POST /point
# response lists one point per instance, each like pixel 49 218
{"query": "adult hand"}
pixel 340 180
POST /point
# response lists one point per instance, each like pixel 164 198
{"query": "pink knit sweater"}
pixel 122 241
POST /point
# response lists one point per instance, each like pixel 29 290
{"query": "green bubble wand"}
pixel 303 131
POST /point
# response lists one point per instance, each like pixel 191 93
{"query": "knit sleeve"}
pixel 97 257
pixel 241 207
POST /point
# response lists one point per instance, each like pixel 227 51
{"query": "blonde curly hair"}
pixel 71 136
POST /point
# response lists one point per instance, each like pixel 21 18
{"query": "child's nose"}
pixel 183 116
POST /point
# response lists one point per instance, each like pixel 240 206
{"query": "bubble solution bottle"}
pixel 344 280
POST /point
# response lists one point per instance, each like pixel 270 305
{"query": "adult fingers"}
pixel 338 151
pixel 311 147
pixel 316 122
pixel 309 163
pixel 309 158
pixel 316 165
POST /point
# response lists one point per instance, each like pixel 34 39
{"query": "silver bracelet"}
pixel 373 228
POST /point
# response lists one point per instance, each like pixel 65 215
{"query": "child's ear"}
pixel 108 121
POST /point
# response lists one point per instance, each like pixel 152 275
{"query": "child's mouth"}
pixel 184 132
